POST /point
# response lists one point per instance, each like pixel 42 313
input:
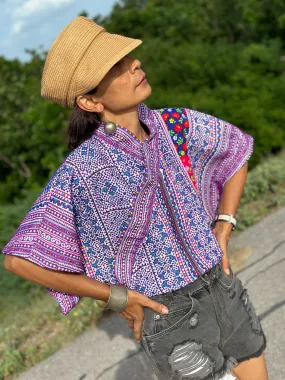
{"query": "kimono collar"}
pixel 145 115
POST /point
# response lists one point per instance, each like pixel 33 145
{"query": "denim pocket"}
pixel 156 325
pixel 226 280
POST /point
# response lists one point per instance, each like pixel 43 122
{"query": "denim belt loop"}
pixel 210 277
pixel 205 279
pixel 170 297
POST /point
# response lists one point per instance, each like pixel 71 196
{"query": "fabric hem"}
pixel 31 258
pixel 256 354
pixel 245 158
pixel 59 297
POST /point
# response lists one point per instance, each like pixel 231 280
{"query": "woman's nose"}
pixel 136 65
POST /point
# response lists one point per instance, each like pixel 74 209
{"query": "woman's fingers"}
pixel 225 258
pixel 223 242
pixel 129 317
pixel 155 306
pixel 226 264
pixel 137 329
pixel 134 311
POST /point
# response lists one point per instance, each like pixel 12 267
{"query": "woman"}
pixel 140 213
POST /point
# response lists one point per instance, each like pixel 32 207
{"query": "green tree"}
pixel 32 130
pixel 221 57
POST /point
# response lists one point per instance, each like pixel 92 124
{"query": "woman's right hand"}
pixel 134 311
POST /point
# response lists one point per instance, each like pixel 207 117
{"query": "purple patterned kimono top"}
pixel 137 213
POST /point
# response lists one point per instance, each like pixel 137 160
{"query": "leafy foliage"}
pixel 32 130
pixel 223 58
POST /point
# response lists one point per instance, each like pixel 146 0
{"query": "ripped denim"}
pixel 211 327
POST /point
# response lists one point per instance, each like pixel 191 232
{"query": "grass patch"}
pixel 37 329
pixel 264 191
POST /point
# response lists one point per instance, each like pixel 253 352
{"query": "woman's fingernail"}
pixel 227 271
pixel 164 310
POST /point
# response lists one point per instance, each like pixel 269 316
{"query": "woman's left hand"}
pixel 222 231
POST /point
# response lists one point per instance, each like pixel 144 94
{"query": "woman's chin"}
pixel 146 92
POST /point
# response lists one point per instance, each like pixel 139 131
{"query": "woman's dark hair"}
pixel 81 124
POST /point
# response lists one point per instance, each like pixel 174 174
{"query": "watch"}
pixel 227 218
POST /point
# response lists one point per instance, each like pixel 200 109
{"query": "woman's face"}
pixel 123 87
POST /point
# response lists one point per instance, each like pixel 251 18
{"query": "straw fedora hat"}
pixel 79 58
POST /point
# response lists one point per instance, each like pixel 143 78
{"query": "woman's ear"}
pixel 87 103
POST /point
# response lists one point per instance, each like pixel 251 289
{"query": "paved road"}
pixel 109 352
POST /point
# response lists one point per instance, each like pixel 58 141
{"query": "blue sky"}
pixel 31 23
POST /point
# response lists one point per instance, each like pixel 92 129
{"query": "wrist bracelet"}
pixel 118 298
pixel 226 218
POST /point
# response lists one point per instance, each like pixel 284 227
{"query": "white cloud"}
pixel 23 11
pixel 31 7
pixel 17 27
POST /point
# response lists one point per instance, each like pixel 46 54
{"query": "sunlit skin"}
pixel 118 95
pixel 116 100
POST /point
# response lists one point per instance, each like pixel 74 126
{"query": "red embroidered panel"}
pixel 178 125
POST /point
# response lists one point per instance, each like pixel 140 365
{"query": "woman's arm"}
pixel 232 192
pixel 81 285
pixel 229 202
pixel 72 283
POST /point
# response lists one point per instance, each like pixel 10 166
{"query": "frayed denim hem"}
pixel 256 354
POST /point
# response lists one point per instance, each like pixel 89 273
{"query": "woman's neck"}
pixel 128 120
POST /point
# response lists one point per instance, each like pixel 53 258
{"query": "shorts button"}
pixel 194 320
pixel 157 316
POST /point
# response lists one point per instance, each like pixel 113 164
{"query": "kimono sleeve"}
pixel 47 236
pixel 217 150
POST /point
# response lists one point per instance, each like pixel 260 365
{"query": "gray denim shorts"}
pixel 211 326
